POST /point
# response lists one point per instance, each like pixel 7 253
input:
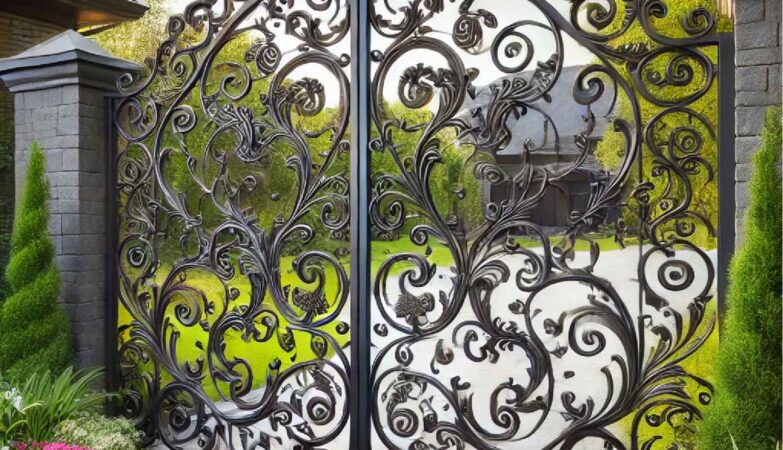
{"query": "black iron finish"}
pixel 205 280
pixel 233 330
pixel 360 226
pixel 113 381
pixel 726 165
pixel 522 346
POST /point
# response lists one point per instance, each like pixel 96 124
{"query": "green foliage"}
pixel 703 188
pixel 13 421
pixel 451 178
pixel 747 406
pixel 139 39
pixel 98 432
pixel 60 397
pixel 34 331
pixel 672 24
pixel 5 251
pixel 31 411
pixel 611 150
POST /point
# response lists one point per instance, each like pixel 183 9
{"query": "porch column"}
pixel 60 88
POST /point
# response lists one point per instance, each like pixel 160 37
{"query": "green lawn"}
pixel 381 250
pixel 192 340
pixel 260 355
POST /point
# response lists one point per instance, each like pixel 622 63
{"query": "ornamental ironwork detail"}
pixel 543 203
pixel 551 295
pixel 231 173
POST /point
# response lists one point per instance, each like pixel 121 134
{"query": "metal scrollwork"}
pixel 230 326
pixel 525 337
pixel 542 298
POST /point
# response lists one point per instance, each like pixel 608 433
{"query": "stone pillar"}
pixel 60 89
pixel 757 37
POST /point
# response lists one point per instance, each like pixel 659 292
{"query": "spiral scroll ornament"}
pixel 231 321
pixel 529 335
pixel 495 327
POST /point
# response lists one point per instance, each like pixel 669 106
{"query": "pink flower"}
pixel 48 446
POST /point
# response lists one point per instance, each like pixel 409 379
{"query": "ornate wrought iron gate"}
pixel 421 224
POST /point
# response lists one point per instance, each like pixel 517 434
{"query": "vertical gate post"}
pixel 360 227
pixel 59 89
pixel 726 165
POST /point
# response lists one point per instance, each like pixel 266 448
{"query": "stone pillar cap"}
pixel 66 59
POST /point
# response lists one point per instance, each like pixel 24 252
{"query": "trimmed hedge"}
pixel 34 331
pixel 747 406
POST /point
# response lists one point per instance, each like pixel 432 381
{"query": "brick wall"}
pixel 757 37
pixel 68 122
pixel 65 113
pixel 20 33
pixel 16 35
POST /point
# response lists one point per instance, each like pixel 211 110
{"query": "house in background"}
pixel 24 24
pixel 550 132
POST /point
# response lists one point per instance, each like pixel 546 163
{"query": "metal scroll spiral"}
pixel 219 122
pixel 421 397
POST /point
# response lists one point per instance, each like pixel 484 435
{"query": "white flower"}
pixel 8 395
pixel 18 403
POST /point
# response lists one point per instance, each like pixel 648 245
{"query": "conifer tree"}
pixel 747 406
pixel 34 330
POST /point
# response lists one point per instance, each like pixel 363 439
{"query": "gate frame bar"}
pixel 726 165
pixel 360 271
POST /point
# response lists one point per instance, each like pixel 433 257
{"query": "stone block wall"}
pixel 757 37
pixel 20 33
pixel 68 122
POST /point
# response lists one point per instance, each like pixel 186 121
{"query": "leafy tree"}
pixel 139 39
pixel 453 185
pixel 34 331
pixel 747 406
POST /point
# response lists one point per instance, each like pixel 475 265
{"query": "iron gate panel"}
pixel 526 197
pixel 233 203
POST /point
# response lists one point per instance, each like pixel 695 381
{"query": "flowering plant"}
pixel 13 415
pixel 99 433
pixel 48 446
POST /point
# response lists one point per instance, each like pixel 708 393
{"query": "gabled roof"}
pixel 563 113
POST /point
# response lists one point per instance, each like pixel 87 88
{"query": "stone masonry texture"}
pixel 757 38
pixel 68 123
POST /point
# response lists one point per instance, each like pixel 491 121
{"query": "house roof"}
pixel 563 114
pixel 76 14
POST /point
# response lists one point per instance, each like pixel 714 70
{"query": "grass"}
pixel 192 340
pixel 381 250
pixel 261 354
